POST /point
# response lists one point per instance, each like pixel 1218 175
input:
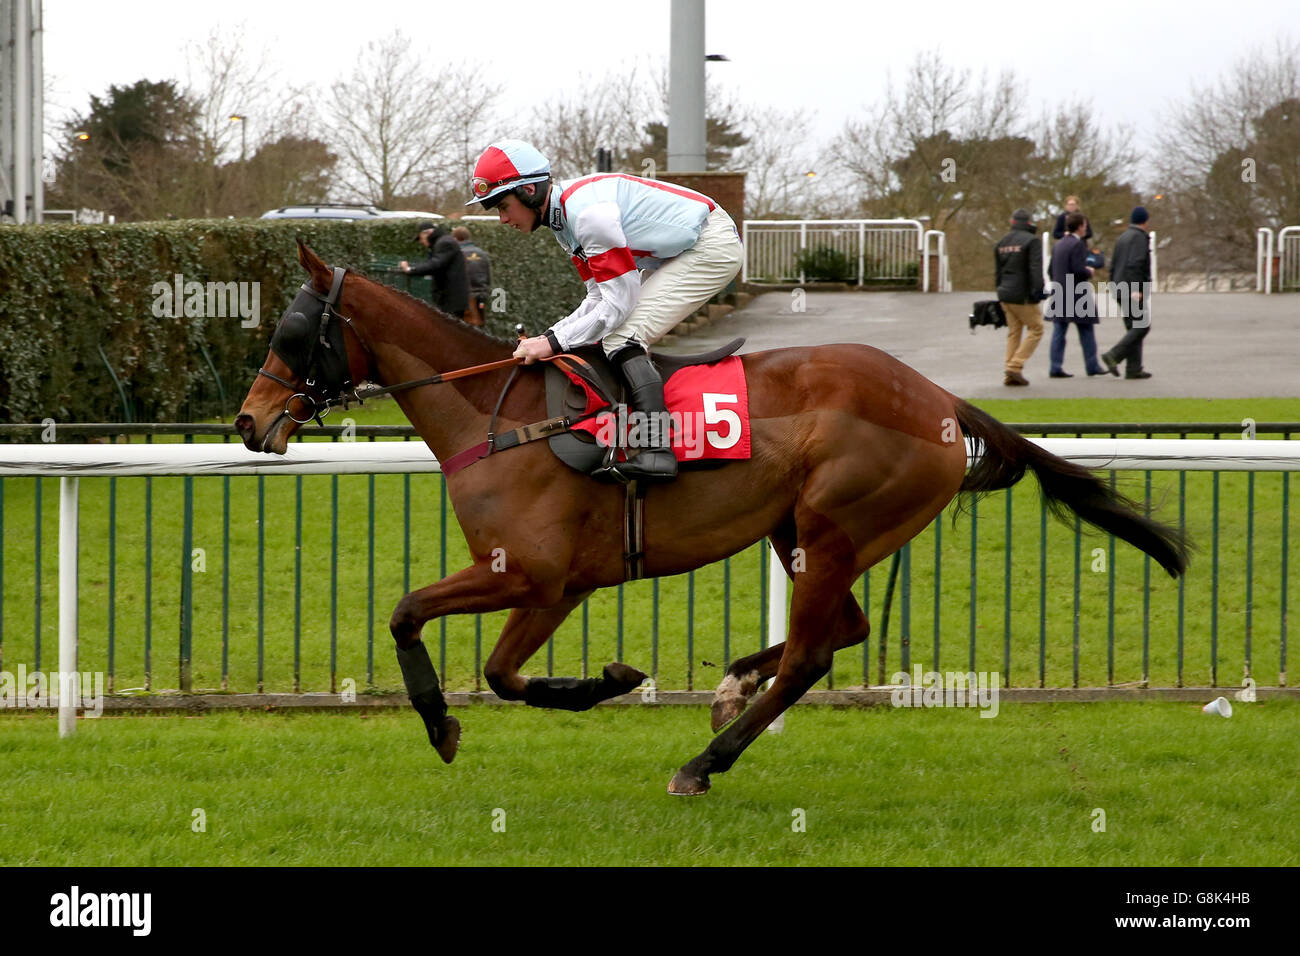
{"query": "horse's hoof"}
pixel 448 739
pixel 725 710
pixel 686 784
pixel 626 678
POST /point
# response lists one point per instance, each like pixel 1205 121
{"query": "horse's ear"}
pixel 319 271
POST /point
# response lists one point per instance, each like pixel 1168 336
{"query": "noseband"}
pixel 326 358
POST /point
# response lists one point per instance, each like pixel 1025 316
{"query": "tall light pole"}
pixel 686 130
pixel 22 116
pixel 81 136
pixel 243 139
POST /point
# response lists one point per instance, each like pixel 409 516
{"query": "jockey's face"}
pixel 512 212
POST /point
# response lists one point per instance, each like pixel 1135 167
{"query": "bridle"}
pixel 328 354
pixel 327 362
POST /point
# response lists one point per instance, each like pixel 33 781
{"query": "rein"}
pixel 319 407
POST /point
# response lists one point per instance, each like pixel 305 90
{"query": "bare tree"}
pixel 942 122
pixel 602 113
pixel 784 167
pixel 252 134
pixel 1229 159
pixel 225 81
pixel 403 129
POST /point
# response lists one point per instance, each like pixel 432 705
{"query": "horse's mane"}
pixel 462 344
pixel 433 314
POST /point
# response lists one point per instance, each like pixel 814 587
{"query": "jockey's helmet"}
pixel 505 166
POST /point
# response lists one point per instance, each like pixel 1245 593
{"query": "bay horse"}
pixel 853 455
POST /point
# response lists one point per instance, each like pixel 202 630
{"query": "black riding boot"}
pixel 654 460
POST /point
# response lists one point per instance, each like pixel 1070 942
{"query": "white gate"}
pixel 848 250
pixel 1288 259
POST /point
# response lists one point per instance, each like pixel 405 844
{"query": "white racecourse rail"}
pixel 70 462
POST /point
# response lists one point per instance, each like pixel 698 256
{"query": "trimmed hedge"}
pixel 67 292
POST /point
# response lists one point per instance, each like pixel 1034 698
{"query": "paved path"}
pixel 1208 345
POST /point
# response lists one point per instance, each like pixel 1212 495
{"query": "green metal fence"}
pixel 248 584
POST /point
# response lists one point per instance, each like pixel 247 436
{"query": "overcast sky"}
pixel 1131 56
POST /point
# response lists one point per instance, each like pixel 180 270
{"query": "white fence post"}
pixel 862 253
pixel 776 618
pixel 941 253
pixel 1264 260
pixel 803 242
pixel 1155 266
pixel 67 606
pixel 744 245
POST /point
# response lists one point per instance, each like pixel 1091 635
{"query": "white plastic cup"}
pixel 1218 706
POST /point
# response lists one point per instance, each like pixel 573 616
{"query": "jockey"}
pixel 612 225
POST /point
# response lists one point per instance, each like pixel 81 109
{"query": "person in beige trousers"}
pixel 1018 258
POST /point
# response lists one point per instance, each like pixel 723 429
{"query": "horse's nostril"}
pixel 244 424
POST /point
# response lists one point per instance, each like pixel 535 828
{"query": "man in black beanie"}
pixel 446 265
pixel 1018 261
pixel 1130 272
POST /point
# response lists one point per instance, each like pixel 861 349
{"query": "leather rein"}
pixel 321 407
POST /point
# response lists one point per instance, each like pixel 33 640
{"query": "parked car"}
pixel 348 211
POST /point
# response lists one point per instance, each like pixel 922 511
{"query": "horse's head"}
pixel 315 357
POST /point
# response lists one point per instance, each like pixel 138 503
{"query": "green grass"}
pixel 1214 610
pixel 878 786
pixel 1145 410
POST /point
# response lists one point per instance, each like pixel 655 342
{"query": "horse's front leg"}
pixel 525 632
pixel 477 588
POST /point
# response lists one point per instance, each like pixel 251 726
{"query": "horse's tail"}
pixel 1003 457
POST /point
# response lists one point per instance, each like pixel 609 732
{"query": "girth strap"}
pixel 633 531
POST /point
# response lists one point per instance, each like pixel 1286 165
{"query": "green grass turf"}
pixel 692 633
pixel 1144 410
pixel 878 786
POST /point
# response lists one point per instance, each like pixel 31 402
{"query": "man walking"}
pixel 1018 261
pixel 1130 271
pixel 1071 299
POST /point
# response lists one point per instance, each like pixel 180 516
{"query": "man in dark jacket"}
pixel 1130 271
pixel 446 265
pixel 479 269
pixel 1018 261
pixel 1071 298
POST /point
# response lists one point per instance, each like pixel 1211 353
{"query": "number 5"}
pixel 718 416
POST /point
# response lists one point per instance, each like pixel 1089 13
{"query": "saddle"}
pixel 567 400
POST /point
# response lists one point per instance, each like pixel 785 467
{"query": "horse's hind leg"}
pixel 819 598
pixel 746 674
pixel 525 632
